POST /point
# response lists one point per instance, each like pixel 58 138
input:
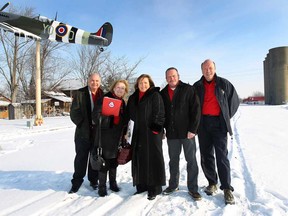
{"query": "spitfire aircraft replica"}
pixel 43 28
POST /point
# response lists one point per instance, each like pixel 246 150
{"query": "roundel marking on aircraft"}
pixel 61 30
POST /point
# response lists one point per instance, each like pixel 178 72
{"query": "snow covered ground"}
pixel 36 166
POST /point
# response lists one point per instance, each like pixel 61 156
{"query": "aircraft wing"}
pixel 18 31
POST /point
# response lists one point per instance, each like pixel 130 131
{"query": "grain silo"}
pixel 276 76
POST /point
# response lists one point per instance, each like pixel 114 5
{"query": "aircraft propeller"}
pixel 6 5
pixel 56 16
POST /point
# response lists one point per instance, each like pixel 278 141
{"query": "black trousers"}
pixel 213 141
pixel 83 148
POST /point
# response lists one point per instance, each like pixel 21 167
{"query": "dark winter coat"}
pixel 80 113
pixel 227 98
pixel 148 115
pixel 182 113
pixel 110 133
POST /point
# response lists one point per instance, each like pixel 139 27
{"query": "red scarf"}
pixel 117 118
pixel 141 94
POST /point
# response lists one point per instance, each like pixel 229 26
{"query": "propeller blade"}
pixel 4 6
pixel 56 15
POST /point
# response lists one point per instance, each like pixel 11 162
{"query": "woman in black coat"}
pixel 146 108
pixel 111 132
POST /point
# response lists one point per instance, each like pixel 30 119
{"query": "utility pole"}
pixel 38 118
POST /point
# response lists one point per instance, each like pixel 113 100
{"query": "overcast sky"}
pixel 237 34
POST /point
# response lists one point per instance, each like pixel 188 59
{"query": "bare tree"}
pixel 119 68
pixel 89 60
pixel 257 94
pixel 15 55
pixel 16 52
pixel 51 68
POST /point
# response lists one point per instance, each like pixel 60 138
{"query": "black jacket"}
pixel 227 98
pixel 148 115
pixel 182 113
pixel 110 133
pixel 80 113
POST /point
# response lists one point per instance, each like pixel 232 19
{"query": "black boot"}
pixel 102 190
pixel 112 180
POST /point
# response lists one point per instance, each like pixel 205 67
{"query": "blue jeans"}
pixel 174 150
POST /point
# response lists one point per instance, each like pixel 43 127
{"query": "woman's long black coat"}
pixel 148 115
pixel 110 133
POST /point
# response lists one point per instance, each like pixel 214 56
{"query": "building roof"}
pixel 34 101
pixel 4 103
pixel 58 96
pixel 254 98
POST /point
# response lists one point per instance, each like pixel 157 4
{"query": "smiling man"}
pixel 182 116
pixel 219 102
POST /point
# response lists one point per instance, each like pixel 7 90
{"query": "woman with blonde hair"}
pixel 111 132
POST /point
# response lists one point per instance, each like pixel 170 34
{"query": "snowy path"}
pixel 36 166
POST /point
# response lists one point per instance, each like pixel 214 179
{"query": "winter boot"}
pixel 228 196
pixel 112 180
pixel 102 190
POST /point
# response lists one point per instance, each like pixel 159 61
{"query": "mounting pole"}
pixel 38 118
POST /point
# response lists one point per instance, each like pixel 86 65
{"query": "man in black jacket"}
pixel 82 106
pixel 219 102
pixel 182 116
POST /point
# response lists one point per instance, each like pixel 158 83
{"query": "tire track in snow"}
pixel 72 204
pixel 24 208
pixel 253 197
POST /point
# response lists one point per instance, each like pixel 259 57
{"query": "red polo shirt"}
pixel 210 104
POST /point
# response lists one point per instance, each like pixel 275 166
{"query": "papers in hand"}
pixel 129 133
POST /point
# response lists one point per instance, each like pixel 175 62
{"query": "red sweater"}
pixel 210 104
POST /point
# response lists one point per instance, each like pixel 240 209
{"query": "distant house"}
pixel 254 100
pixel 59 100
pixel 53 103
pixel 4 102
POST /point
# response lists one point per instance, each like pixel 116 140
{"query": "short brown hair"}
pixel 142 76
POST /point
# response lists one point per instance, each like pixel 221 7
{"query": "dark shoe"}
pixel 73 189
pixel 228 196
pixel 94 185
pixel 170 190
pixel 210 189
pixel 151 197
pixel 195 195
pixel 102 191
pixel 114 187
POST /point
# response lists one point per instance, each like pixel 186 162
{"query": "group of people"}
pixel 179 111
